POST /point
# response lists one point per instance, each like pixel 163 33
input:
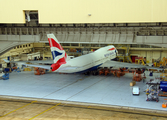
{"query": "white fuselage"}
pixel 89 61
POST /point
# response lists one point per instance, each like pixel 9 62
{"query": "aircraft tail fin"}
pixel 58 53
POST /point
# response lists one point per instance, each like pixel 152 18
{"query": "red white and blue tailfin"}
pixel 58 53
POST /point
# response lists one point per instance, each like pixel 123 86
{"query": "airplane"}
pixel 82 64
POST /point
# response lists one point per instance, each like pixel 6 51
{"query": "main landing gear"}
pixel 95 72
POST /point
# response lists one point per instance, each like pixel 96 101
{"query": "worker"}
pixel 151 73
pixel 144 77
pixel 144 60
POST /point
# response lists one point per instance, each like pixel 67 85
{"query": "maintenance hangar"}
pixel 136 30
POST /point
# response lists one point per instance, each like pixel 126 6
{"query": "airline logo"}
pixel 112 48
pixel 55 54
pixel 54 43
pixel 58 54
pixel 108 54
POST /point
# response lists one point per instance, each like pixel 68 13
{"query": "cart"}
pixel 153 96
pixel 5 76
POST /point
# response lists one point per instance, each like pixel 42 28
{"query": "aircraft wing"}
pixel 63 69
pixel 68 68
pixel 40 66
pixel 33 65
pixel 129 65
pixel 35 61
pixel 41 61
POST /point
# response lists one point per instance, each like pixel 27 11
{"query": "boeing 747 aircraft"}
pixel 82 64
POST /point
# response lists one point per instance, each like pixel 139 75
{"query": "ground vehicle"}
pixel 136 90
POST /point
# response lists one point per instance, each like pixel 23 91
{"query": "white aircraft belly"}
pixel 79 65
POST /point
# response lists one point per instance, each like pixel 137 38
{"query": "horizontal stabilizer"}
pixel 40 66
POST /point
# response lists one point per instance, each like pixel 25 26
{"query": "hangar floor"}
pixel 35 110
pixel 99 90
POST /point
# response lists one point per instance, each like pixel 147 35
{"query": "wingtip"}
pixel 7 61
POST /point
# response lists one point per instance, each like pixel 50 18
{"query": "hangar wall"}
pixel 77 11
pixel 150 54
pixel 21 51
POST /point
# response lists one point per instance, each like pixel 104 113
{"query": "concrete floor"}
pixel 107 90
pixel 28 110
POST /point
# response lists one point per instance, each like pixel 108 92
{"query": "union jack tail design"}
pixel 58 53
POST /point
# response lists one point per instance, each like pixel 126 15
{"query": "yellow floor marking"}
pixel 45 111
pixel 88 106
pixel 18 109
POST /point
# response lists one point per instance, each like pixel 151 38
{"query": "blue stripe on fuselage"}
pixel 90 69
